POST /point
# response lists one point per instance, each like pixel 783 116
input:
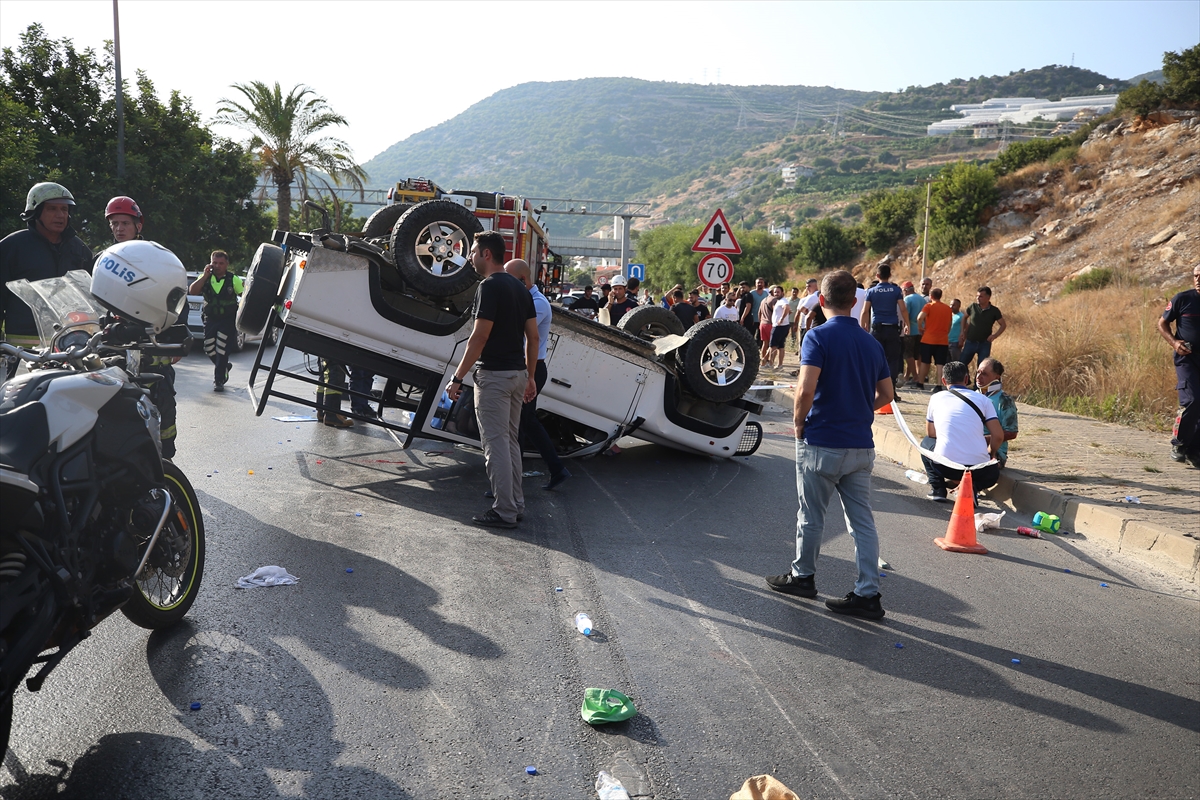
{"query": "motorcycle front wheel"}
pixel 167 586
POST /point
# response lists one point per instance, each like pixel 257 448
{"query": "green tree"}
pixel 1020 154
pixel 961 194
pixel 854 163
pixel 888 215
pixel 1182 71
pixel 824 244
pixel 288 136
pixel 1141 99
pixel 58 113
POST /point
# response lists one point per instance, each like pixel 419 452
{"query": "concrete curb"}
pixel 1095 521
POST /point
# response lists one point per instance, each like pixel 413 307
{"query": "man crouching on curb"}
pixel 844 378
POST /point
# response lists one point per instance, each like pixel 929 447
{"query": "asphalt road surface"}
pixel 446 662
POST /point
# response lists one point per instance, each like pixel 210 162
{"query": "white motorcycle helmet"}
pixel 142 282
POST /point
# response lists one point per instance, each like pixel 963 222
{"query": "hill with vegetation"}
pixel 602 138
pixel 689 147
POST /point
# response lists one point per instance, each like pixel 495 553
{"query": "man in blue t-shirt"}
pixel 886 317
pixel 913 303
pixel 844 379
pixel 1184 311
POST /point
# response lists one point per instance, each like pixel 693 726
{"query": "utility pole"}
pixel 120 97
pixel 925 244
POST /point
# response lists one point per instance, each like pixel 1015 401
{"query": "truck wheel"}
pixel 430 247
pixel 382 221
pixel 262 289
pixel 650 322
pixel 720 360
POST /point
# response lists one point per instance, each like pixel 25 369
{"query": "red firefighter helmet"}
pixel 123 205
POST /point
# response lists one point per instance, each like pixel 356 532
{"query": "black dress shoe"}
pixel 490 519
pixel 556 479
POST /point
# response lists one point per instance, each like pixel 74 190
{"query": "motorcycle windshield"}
pixel 60 304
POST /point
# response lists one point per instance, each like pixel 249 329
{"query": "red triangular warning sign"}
pixel 717 237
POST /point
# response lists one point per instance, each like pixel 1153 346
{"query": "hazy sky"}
pixel 395 68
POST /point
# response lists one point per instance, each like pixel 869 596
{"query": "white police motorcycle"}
pixel 93 519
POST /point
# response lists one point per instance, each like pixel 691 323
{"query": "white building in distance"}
pixel 783 231
pixel 792 171
pixel 1021 111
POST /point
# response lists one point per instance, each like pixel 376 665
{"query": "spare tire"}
pixel 382 221
pixel 720 360
pixel 651 322
pixel 261 292
pixel 430 247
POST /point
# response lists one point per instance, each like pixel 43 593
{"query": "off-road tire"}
pixel 720 361
pixel 262 289
pixel 382 221
pixel 651 322
pixel 430 247
pixel 180 549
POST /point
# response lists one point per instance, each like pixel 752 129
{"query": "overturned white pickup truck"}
pixel 404 313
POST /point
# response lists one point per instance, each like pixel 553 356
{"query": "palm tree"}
pixel 286 133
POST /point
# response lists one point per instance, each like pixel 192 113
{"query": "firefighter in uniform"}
pixel 48 248
pixel 125 220
pixel 220 289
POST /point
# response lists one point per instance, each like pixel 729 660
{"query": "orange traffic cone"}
pixel 960 535
pixel 885 410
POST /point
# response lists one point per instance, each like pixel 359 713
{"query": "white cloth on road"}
pixel 267 576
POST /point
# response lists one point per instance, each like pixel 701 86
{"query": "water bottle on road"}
pixel 609 788
pixel 916 477
pixel 583 623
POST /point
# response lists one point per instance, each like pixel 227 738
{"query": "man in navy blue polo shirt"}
pixel 886 317
pixel 844 379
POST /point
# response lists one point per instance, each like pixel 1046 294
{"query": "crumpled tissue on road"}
pixel 267 576
pixel 987 522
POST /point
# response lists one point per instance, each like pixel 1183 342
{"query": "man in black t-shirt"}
pixel 587 303
pixel 1184 311
pixel 687 312
pixel 619 303
pixel 505 342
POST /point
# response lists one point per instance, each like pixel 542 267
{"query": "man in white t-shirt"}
pixel 961 426
pixel 781 323
pixel 728 309
pixel 860 297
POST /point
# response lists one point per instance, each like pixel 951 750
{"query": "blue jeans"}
pixel 984 349
pixel 360 381
pixel 819 471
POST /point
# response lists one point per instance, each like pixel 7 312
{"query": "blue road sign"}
pixel 637 271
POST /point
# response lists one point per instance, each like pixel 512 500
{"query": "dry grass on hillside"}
pixel 1096 353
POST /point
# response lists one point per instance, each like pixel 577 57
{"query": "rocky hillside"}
pixel 1129 204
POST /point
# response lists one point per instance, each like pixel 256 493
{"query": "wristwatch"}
pixel 455 379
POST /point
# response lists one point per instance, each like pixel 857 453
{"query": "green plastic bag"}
pixel 605 705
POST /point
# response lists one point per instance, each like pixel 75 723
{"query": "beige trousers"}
pixel 499 395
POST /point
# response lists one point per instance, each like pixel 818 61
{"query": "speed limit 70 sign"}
pixel 715 269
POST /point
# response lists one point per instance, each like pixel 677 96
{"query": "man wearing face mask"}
pixel 47 248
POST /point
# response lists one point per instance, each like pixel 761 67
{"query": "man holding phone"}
pixel 220 289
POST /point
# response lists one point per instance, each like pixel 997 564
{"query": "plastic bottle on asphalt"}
pixel 583 623
pixel 916 477
pixel 609 788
